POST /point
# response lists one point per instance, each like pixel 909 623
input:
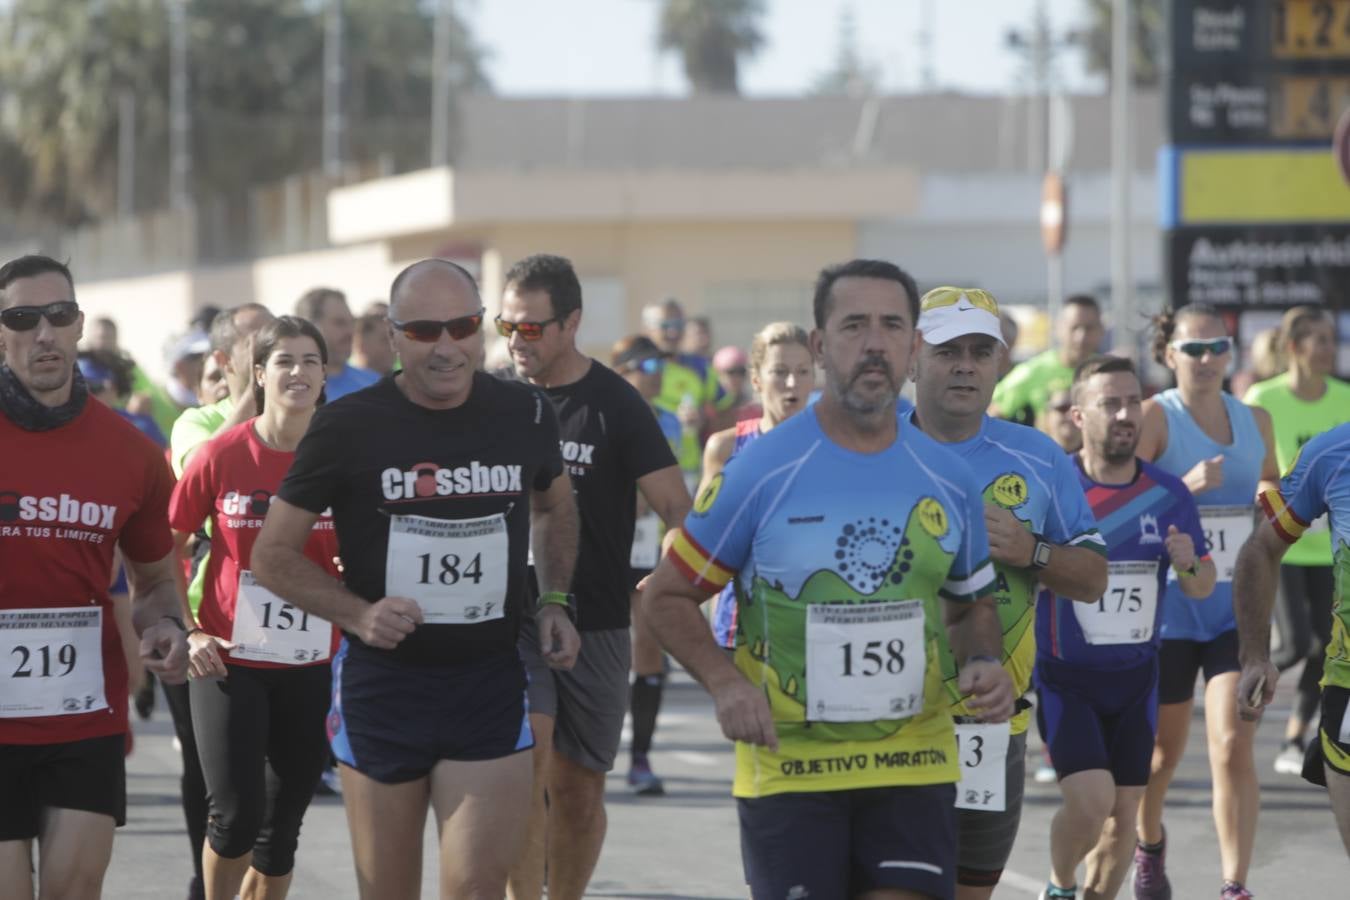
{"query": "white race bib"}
pixel 454 568
pixel 268 629
pixel 1126 612
pixel 646 552
pixel 864 661
pixel 982 751
pixel 51 662
pixel 1226 529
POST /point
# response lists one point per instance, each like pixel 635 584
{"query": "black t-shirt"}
pixel 451 488
pixel 610 439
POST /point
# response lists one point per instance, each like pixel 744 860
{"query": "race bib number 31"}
pixel 1126 612
pixel 1226 529
pixel 864 661
pixel 454 568
pixel 982 749
pixel 268 629
pixel 52 662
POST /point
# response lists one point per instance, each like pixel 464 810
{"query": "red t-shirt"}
pixel 231 480
pixel 67 497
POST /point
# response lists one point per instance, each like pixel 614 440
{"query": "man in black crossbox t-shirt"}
pixel 433 476
pixel 613 447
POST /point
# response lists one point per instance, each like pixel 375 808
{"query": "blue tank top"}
pixel 724 607
pixel 1225 511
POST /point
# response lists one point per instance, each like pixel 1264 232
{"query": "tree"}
pixel 850 75
pixel 1146 40
pixel 711 36
pixel 255 94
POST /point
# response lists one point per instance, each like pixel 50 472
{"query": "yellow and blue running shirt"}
pixel 842 559
pixel 1317 484
pixel 1026 473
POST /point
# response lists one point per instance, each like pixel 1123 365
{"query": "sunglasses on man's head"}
pixel 26 318
pixel 529 331
pixel 428 331
pixel 1197 349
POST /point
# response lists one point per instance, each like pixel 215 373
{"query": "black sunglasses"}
pixel 428 331
pixel 26 318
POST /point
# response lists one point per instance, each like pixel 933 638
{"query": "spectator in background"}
pixel 1266 361
pixel 108 377
pixel 1008 325
pixel 214 386
pixel 698 339
pixel 689 387
pixel 732 367
pixel 327 309
pixel 371 347
pixel 146 397
pixel 1059 424
pixel 376 308
pixel 185 369
pixel 1021 396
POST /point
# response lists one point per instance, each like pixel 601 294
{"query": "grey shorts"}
pixel 986 838
pixel 587 704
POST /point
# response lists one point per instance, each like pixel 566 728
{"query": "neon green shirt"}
pixel 193 428
pixel 1024 393
pixel 686 375
pixel 1297 422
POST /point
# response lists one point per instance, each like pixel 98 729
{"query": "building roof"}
pixel 932 132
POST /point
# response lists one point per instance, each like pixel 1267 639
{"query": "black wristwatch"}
pixel 1040 555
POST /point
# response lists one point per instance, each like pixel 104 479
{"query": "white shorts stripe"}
pixel 909 864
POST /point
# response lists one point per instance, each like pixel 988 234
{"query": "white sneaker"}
pixel 1290 759
pixel 332 781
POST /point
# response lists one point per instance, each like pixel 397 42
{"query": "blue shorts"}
pixel 393 722
pixel 838 844
pixel 1098 719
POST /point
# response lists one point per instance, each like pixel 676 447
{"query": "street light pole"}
pixel 1122 282
pixel 180 126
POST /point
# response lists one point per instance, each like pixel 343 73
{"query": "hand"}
pixel 204 655
pixel 1180 548
pixel 1009 541
pixel 385 623
pixel 744 714
pixel 1252 673
pixel 1205 475
pixel 989 690
pixel 164 651
pixel 559 642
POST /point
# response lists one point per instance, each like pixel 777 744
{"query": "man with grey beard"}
pixel 854 539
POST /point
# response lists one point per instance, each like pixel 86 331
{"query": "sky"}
pixel 607 47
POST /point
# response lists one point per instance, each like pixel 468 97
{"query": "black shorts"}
pixel 1180 661
pixel 837 844
pixel 1335 752
pixel 1098 719
pixel 88 775
pixel 393 722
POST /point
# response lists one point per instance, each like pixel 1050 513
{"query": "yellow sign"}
pixel 709 495
pixel 933 517
pixel 1306 107
pixel 1010 490
pixel 1310 29
pixel 1235 187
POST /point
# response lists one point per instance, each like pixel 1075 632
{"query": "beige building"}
pixel 732 205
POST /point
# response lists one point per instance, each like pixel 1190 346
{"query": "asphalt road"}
pixel 685 844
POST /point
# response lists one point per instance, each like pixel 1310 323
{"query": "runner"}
pixel 783 374
pixel 327 309
pixel 1220 449
pixel 1097 662
pixel 232 332
pixel 639 362
pixel 613 448
pixel 260 668
pixel 845 752
pixel 1317 485
pixel 63 689
pixel 1303 402
pixel 689 386
pixel 1040 530
pixel 1022 396
pixel 433 476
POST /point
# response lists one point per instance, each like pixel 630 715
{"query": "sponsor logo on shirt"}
pixel 429 480
pixel 578 456
pixel 246 503
pixel 65 509
pixel 1010 490
pixel 1148 529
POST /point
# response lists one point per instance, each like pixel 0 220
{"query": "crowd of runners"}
pixel 439 586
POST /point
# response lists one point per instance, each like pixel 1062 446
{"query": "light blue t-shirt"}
pixel 349 380
pixel 1225 511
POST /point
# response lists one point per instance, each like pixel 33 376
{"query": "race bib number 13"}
pixel 51 662
pixel 982 750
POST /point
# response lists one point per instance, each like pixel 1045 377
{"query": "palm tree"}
pixel 711 36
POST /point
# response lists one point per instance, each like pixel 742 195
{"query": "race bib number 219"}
pixel 51 662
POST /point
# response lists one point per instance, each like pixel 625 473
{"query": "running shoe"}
pixel 1150 873
pixel 1234 891
pixel 1054 892
pixel 330 784
pixel 1045 772
pixel 1289 761
pixel 643 781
